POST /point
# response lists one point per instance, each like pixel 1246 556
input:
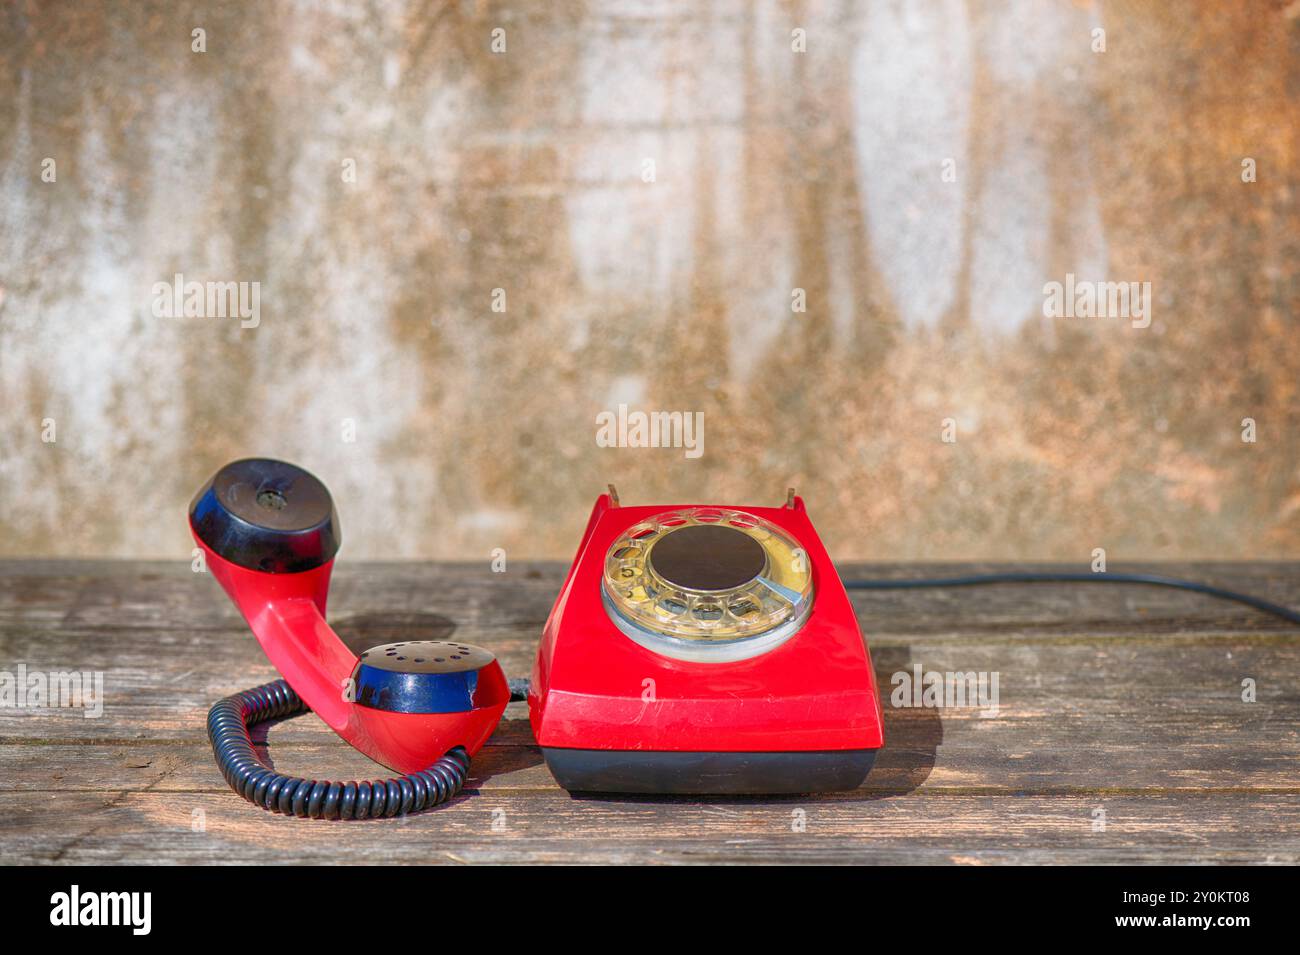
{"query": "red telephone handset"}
pixel 269 533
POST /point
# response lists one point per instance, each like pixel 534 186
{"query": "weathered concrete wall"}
pixel 774 170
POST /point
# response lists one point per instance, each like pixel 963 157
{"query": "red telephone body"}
pixel 611 714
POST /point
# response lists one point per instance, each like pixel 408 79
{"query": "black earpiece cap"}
pixel 267 515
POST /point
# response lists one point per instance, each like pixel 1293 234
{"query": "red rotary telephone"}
pixel 704 650
pixel 692 649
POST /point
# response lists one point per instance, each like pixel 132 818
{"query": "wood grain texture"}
pixel 1122 699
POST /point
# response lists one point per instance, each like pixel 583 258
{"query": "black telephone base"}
pixel 720 774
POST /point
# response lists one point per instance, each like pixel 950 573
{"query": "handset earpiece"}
pixel 269 533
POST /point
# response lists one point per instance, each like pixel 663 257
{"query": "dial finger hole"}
pixel 707 612
pixel 671 605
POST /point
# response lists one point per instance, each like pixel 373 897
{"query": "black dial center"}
pixel 707 557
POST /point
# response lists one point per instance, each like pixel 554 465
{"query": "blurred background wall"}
pixel 921 170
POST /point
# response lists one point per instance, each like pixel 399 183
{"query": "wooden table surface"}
pixel 1122 735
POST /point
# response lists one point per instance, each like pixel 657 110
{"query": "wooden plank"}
pixel 120 595
pixel 1171 714
pixel 550 826
pixel 1014 765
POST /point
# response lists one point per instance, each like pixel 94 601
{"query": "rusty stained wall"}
pixel 773 170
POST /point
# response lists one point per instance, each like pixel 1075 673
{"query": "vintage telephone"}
pixel 692 649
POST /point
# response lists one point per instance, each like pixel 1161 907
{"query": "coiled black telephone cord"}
pixel 229 721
